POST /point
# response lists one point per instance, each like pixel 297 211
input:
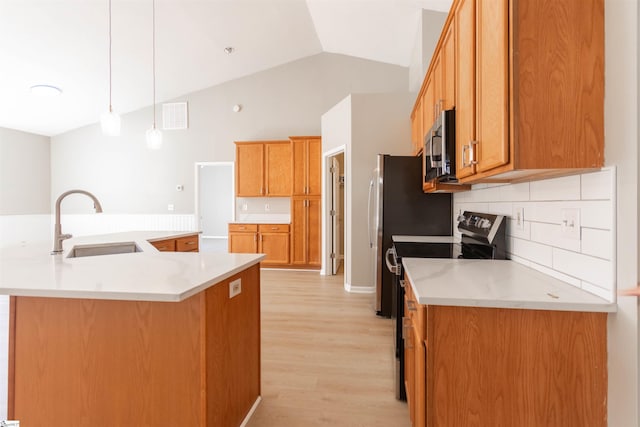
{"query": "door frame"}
pixel 325 268
pixel 196 195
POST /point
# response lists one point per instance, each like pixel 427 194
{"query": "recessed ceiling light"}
pixel 229 50
pixel 45 90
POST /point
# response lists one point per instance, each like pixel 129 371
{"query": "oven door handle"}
pixel 390 258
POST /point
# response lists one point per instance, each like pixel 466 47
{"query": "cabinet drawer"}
pixel 168 245
pixel 244 227
pixel 273 228
pixel 187 243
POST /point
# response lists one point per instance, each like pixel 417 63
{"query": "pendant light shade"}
pixel 110 120
pixel 153 135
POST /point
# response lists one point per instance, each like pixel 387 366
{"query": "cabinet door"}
pixel 492 103
pixel 313 231
pixel 409 364
pixel 314 166
pixel 428 104
pixel 448 68
pixel 278 169
pixel 168 245
pixel 465 27
pixel 188 243
pixel 438 94
pixel 417 136
pixel 299 148
pixel 276 248
pixel 298 232
pixel 243 243
pixel 249 170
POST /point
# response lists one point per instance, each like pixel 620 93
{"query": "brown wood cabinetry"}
pixel 114 363
pixel 188 243
pixel 537 108
pixel 496 366
pixel 527 86
pixel 263 169
pixel 417 134
pixel 273 240
pixel 305 250
pixel 307 155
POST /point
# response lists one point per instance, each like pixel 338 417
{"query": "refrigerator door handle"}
pixel 390 258
pixel 369 211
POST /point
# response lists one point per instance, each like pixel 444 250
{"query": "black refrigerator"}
pixel 398 206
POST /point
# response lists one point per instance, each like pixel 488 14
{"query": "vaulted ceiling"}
pixel 64 43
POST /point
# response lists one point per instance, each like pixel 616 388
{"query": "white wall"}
pixel 429 29
pixel 366 124
pixel 283 101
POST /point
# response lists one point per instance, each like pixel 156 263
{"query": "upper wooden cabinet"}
pixel 527 85
pixel 417 134
pixel 307 155
pixel 263 169
pixel 530 89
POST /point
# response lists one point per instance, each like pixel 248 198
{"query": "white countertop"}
pixel 149 275
pixel 497 284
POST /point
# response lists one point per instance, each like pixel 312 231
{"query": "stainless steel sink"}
pixel 103 249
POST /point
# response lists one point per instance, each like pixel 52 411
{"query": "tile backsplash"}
pixel 586 261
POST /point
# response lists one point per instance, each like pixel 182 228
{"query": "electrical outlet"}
pixel 170 207
pixel 267 208
pixel 518 216
pixel 235 288
pixel 244 207
pixel 570 223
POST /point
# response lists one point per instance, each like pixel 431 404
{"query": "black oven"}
pixel 483 236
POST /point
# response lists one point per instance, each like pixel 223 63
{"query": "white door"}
pixel 335 202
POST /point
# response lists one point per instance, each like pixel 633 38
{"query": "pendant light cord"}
pixel 110 107
pixel 153 60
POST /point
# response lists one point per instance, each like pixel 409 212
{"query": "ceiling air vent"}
pixel 175 116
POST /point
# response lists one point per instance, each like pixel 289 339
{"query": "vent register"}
pixel 175 115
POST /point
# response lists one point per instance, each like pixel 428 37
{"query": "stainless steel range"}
pixel 483 236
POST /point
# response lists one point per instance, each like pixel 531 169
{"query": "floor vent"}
pixel 175 115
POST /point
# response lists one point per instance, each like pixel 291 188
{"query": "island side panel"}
pixel 233 349
pixel 515 367
pixel 100 363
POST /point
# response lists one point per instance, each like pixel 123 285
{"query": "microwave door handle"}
pixel 431 142
pixel 392 266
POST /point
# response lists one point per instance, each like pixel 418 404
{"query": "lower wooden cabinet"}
pixel 509 367
pixel 181 244
pixel 306 243
pixel 269 239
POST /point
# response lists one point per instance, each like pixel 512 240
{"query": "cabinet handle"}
pixel 411 305
pixel 243 228
pixel 402 283
pixel 255 237
pixel 261 190
pixel 469 150
pixel 274 228
pixel 261 238
pixel 190 243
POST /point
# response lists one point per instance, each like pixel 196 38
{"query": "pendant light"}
pixel 154 136
pixel 110 120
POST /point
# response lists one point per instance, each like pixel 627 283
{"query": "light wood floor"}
pixel 326 357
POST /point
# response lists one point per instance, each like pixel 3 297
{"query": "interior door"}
pixel 335 191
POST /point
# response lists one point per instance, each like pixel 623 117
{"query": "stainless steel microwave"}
pixel 439 154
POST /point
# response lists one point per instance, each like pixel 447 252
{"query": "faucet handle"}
pixel 65 236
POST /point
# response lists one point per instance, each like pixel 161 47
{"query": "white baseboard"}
pixel 251 411
pixel 359 289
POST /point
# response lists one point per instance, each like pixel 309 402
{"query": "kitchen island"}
pixel 146 338
pixel 492 342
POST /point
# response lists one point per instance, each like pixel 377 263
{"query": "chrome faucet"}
pixel 58 237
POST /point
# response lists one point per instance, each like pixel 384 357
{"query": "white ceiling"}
pixel 65 43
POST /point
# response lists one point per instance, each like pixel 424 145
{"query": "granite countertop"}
pixel 496 284
pixel 149 275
